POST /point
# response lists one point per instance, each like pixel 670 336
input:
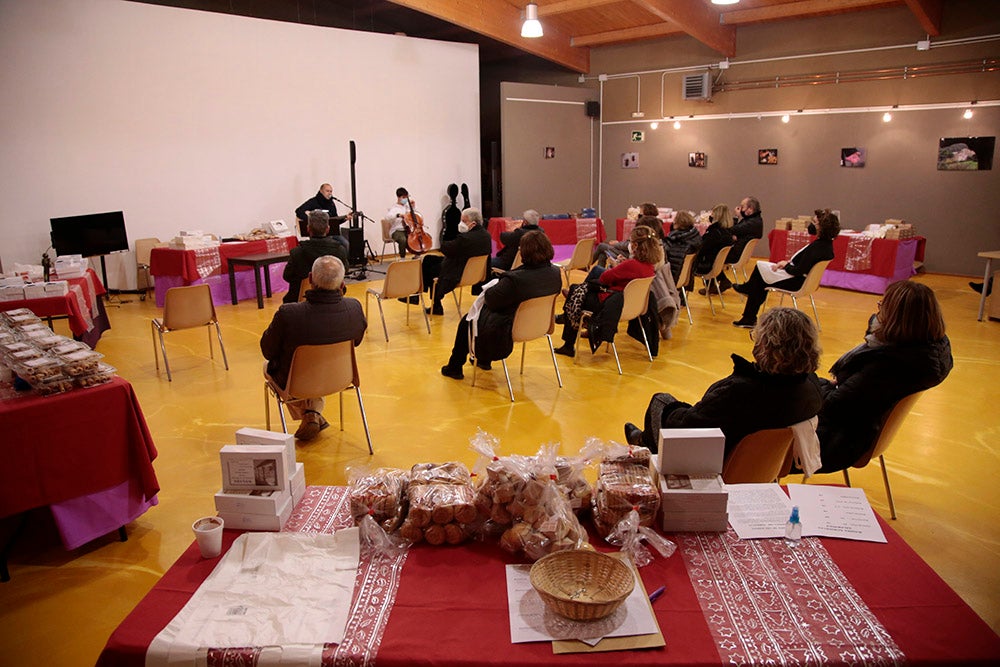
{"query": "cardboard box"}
pixel 297 483
pixel 693 493
pixel 56 288
pixel 253 468
pixel 691 451
pixel 258 436
pixel 243 521
pixel 12 292
pixel 691 522
pixel 252 502
pixel 34 291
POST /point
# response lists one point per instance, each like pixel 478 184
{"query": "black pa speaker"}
pixel 356 240
pixel 594 109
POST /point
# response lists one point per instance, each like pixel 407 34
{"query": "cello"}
pixel 417 240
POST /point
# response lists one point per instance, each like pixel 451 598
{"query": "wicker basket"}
pixel 582 585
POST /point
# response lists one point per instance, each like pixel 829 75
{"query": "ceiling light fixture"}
pixel 677 125
pixel 724 2
pixel 654 125
pixel 785 118
pixel 531 27
pixel 886 117
pixel 968 112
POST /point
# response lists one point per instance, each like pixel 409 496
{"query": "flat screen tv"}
pixel 89 235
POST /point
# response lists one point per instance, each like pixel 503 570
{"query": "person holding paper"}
pixel 905 351
pixel 787 274
pixel 536 277
pixel 778 389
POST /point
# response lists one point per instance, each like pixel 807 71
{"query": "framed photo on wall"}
pixel 630 160
pixel 852 156
pixel 965 153
pixel 550 152
pixel 767 156
pixel 699 160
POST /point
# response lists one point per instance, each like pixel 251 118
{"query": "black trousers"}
pixel 755 290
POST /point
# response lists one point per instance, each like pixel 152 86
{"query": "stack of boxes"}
pixel 192 239
pixel 261 480
pixel 70 266
pixel 693 496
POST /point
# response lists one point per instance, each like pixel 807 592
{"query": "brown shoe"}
pixel 308 430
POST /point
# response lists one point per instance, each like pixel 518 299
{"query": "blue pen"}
pixel 657 593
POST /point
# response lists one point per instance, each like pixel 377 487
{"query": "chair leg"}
pixel 427 320
pixel 267 409
pixel 555 365
pixel 615 350
pixel 211 349
pixel 645 339
pixel 719 290
pixel 455 293
pixel 687 304
pixel 708 293
pixel 281 413
pixel 815 313
pixel 166 363
pixel 341 397
pixel 156 355
pixel 888 491
pixel 524 346
pixel 847 478
pixel 218 332
pixel 364 420
pixel 472 355
pixel 510 390
pixel 385 329
pixel 795 302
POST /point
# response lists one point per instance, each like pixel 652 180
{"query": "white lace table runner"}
pixel 586 228
pixel 207 261
pixel 859 253
pixel 767 603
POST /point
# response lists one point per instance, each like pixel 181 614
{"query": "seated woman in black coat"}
pixel 905 351
pixel 536 277
pixel 796 267
pixel 778 390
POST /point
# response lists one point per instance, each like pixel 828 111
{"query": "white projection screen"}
pixel 195 120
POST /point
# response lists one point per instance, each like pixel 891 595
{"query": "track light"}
pixel 531 27
pixel 677 125
pixel 968 112
pixel 654 125
pixel 785 118
pixel 886 117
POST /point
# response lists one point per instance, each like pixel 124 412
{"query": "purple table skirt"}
pixel 873 284
pixel 219 285
pixel 88 517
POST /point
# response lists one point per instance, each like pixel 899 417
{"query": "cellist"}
pixel 397 213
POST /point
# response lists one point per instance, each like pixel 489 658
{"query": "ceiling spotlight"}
pixel 531 27
pixel 886 117
pixel 654 125
pixel 677 125
pixel 724 2
pixel 968 114
pixel 785 118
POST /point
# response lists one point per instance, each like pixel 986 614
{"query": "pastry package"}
pixel 624 481
pixel 570 474
pixel 501 483
pixel 101 375
pixel 441 504
pixel 378 493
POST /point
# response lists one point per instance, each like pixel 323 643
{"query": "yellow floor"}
pixel 61 606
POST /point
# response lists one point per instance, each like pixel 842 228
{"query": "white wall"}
pixel 194 120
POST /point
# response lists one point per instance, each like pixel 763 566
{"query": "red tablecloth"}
pixel 560 232
pixel 184 263
pixel 85 441
pixel 450 608
pixel 80 305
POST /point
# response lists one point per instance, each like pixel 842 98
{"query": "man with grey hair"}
pixel 301 257
pixel 511 240
pixel 472 241
pixel 326 316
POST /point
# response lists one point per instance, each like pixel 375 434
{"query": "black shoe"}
pixel 484 365
pixel 414 300
pixel 436 310
pixel 978 287
pixel 595 342
pixel 724 286
pixel 566 350
pixel 561 317
pixel 454 373
pixel 746 322
pixel 633 434
pixel 740 289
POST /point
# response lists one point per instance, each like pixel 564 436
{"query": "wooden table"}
pixel 989 257
pixel 255 262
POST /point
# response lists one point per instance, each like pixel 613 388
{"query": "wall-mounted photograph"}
pixel 966 153
pixel 767 156
pixel 852 157
pixel 630 160
pixel 699 160
pixel 550 152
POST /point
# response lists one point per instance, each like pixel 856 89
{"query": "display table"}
pixel 562 233
pixel 860 263
pixel 447 606
pixel 177 268
pixel 623 227
pixel 255 263
pixel 989 257
pixel 82 307
pixel 86 454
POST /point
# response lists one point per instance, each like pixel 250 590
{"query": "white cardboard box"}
pixel 297 483
pixel 12 293
pixel 694 522
pixel 243 521
pixel 34 291
pixel 258 436
pixel 251 502
pixel 253 468
pixel 693 493
pixel 691 451
pixel 56 288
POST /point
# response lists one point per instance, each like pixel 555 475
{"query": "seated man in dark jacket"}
pixel 301 257
pixel 511 240
pixel 536 276
pixel 326 316
pixel 778 389
pixel 472 241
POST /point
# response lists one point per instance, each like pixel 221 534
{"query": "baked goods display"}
pixel 624 481
pixel 378 492
pixel 441 504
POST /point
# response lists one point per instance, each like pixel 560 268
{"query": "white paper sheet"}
pixel 758 510
pixel 770 274
pixel 532 621
pixel 288 591
pixel 829 511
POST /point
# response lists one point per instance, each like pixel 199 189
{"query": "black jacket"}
pixel 870 381
pixel 301 259
pixel 818 251
pixel 511 242
pixel 494 340
pixel 475 242
pixel 316 203
pixel 750 227
pixel 747 401
pixel 679 243
pixel 713 240
pixel 324 317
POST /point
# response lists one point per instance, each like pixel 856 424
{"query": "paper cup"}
pixel 208 533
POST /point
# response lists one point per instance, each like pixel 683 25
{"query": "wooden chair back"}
pixel 187 307
pixel 474 272
pixel 889 429
pixel 403 278
pixel 759 457
pixel 636 298
pixel 322 370
pixel 534 318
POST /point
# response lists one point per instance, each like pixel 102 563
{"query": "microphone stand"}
pixel 357 217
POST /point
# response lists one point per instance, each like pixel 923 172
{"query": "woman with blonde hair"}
pixel 718 235
pixel 778 389
pixel 905 351
pixel 646 253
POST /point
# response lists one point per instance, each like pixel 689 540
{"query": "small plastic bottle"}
pixel 793 529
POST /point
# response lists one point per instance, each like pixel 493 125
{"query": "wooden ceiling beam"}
pixel 567 6
pixel 799 9
pixel 929 13
pixel 502 22
pixel 696 19
pixel 628 35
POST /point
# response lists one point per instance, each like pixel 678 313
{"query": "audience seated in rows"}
pixel 648 215
pixel 511 240
pixel 682 240
pixel 472 241
pixel 302 256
